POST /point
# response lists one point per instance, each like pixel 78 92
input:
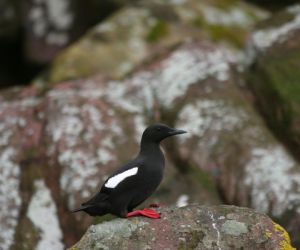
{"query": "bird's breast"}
pixel 153 173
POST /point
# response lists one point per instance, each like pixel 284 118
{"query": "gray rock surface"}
pixel 274 75
pixel 136 34
pixel 191 227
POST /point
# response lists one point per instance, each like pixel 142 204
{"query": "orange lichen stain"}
pixel 285 243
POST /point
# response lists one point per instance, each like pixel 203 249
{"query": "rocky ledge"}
pixel 192 227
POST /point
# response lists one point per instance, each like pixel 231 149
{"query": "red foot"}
pixel 147 212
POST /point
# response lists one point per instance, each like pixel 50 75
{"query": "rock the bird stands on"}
pixel 134 182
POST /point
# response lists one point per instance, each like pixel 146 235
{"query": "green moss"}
pixel 275 81
pixel 107 217
pixel 235 35
pixel 200 22
pixel 30 153
pixel 27 236
pixel 217 32
pixel 225 4
pixel 284 75
pixel 276 21
pixel 159 30
pixel 203 177
pixel 225 209
pixel 192 240
pixel 73 248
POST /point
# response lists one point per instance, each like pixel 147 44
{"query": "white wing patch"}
pixel 115 180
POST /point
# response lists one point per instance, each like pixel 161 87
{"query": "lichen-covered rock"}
pixel 78 132
pixel 136 33
pixel 87 121
pixel 191 227
pixel 20 132
pixel 274 74
pixel 196 88
pixel 50 25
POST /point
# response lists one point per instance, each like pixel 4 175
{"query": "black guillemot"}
pixel 134 182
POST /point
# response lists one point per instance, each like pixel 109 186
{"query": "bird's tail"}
pixel 98 209
pixel 95 206
pixel 82 208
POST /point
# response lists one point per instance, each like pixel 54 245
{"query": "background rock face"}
pixel 51 25
pixel 136 33
pixel 176 62
pixel 192 227
pixel 274 74
pixel 33 32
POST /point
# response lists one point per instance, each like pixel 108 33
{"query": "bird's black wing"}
pixel 105 191
pixel 134 164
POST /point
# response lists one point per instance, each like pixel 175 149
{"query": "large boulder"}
pixel 80 131
pixel 140 32
pixel 274 73
pixel 20 134
pixel 198 88
pixel 273 76
pixel 192 227
pixel 51 25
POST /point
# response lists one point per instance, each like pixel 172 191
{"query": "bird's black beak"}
pixel 177 132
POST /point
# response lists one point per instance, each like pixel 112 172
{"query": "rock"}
pixel 51 25
pixel 138 33
pixel 191 227
pixel 9 21
pixel 78 139
pixel 20 134
pixel 273 75
pixel 273 5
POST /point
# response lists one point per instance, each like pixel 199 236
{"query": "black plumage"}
pixel 134 182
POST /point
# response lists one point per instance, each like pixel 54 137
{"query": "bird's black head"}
pixel 157 132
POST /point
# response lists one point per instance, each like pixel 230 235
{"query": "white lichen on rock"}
pixel 234 16
pixel 263 39
pixel 10 200
pixel 51 19
pixel 216 229
pixel 109 230
pixel 43 214
pixel 79 167
pixel 233 227
pixel 183 68
pixel 274 183
pixel 210 115
pixel 171 80
pixel 72 129
pixel 13 124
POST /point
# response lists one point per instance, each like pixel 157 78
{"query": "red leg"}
pixel 147 212
pixel 154 205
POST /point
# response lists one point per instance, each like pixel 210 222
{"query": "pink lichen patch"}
pixel 32 134
pixel 165 238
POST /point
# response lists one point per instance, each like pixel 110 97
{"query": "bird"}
pixel 135 181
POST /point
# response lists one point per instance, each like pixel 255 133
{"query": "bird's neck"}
pixel 151 149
